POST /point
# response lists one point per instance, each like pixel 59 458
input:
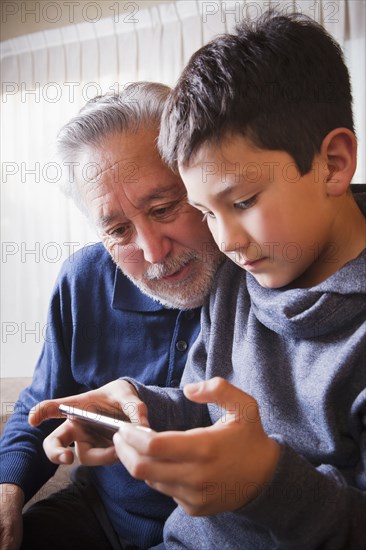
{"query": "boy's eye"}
pixel 208 215
pixel 244 205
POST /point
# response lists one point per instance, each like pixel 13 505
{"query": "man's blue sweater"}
pixel 100 328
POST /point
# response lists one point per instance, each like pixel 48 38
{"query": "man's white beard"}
pixel 186 294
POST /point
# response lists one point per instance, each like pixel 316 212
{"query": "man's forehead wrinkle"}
pixel 105 221
pixel 89 191
pixel 103 170
pixel 107 168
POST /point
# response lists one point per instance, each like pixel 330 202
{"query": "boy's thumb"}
pixel 216 390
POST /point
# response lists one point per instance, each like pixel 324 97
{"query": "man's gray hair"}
pixel 139 104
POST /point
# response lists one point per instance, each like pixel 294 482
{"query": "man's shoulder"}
pixel 90 260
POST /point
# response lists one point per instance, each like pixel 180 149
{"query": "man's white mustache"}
pixel 170 266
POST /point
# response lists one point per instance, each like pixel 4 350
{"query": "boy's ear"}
pixel 339 151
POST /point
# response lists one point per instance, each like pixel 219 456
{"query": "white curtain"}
pixel 48 76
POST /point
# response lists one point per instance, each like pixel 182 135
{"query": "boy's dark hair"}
pixel 280 81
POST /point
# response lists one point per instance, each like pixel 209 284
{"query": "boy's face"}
pixel 270 220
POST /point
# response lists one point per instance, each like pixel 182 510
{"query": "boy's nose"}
pixel 232 237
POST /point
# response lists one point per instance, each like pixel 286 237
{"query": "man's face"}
pixel 270 220
pixel 139 207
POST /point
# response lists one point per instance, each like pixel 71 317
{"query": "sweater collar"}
pixel 127 296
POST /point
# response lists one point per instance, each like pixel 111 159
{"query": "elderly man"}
pixel 128 308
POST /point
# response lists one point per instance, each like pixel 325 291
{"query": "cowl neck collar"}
pixel 308 313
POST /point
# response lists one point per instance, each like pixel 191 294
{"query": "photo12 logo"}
pixel 68 12
pixel 71 91
pixel 235 11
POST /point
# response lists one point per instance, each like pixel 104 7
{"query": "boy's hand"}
pixel 206 470
pixel 91 448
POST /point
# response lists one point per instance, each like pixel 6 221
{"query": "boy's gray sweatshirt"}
pixel 301 353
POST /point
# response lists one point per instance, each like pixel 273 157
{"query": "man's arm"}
pixel 24 470
pixel 24 467
pixel 11 525
pixel 23 461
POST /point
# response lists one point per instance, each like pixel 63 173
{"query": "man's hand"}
pixel 90 447
pixel 11 522
pixel 206 470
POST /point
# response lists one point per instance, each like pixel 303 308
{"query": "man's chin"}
pixel 178 300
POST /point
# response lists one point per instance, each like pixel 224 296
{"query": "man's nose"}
pixel 154 243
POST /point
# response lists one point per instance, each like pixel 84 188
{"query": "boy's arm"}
pixel 233 466
pixel 191 465
pixel 323 505
pixel 169 409
pixel 316 505
pixel 294 502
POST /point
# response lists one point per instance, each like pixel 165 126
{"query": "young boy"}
pixel 260 128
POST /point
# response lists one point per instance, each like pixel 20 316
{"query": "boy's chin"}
pixel 265 283
pixel 273 281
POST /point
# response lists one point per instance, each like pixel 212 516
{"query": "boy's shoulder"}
pixel 359 193
pixel 228 278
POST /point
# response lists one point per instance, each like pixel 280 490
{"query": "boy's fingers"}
pixel 166 446
pixel 155 469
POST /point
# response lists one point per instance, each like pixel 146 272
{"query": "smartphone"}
pixel 94 421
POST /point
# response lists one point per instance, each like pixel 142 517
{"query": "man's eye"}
pixel 244 205
pixel 121 233
pixel 166 210
pixel 161 211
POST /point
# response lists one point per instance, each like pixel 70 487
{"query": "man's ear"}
pixel 339 151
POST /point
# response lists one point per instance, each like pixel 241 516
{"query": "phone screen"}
pixel 94 421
